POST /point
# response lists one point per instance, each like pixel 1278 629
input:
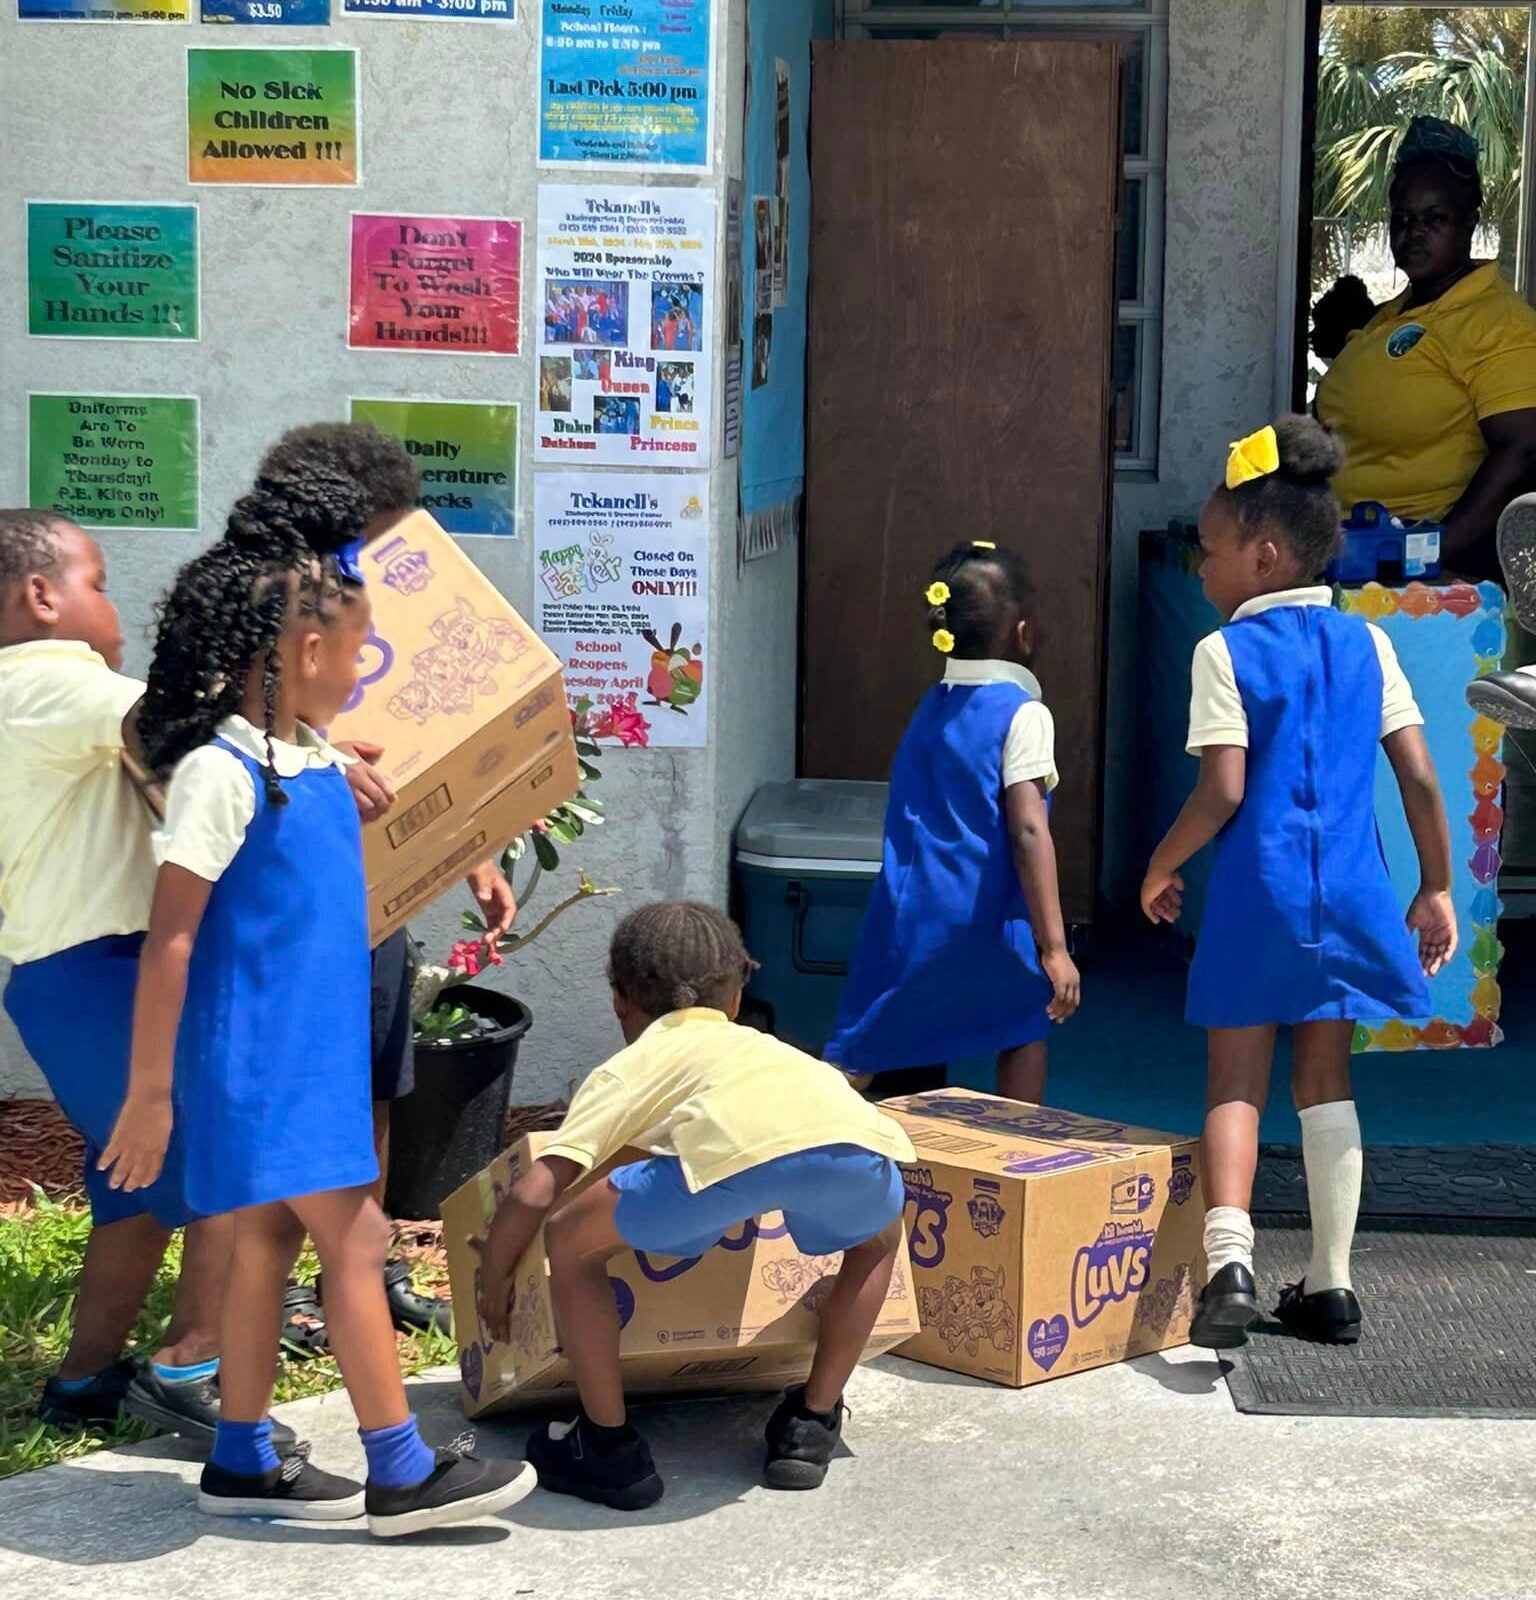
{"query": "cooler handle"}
pixel 796 896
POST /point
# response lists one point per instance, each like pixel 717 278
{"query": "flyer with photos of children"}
pixel 626 303
pixel 621 595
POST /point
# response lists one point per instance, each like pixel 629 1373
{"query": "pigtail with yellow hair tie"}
pixel 1255 457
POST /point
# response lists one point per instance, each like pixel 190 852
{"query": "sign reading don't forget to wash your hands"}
pixel 268 117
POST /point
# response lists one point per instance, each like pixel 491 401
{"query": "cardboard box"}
pixel 469 706
pixel 1043 1242
pixel 740 1318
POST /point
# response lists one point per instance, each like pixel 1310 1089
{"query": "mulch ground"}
pixel 37 1146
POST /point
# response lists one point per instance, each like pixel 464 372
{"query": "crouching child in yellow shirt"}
pixel 738 1124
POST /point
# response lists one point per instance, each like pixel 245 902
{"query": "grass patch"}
pixel 41 1246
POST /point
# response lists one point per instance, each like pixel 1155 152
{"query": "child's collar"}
pixel 1318 594
pixel 679 1019
pixel 974 672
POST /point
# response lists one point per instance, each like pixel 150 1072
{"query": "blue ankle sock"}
pixel 244 1448
pixel 74 1385
pixel 397 1458
pixel 200 1369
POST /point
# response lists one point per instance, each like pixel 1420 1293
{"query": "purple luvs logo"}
pixel 987 1216
pixel 1047 1341
pixel 472 1370
pixel 927 1217
pixel 1129 1197
pixel 374 661
pixel 1113 1268
pixel 624 1299
pixel 1181 1181
pixel 1025 1163
pixel 751 1232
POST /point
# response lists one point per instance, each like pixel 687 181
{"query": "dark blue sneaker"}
pixel 98 1405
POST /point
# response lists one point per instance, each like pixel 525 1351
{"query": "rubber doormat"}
pixel 1449 1327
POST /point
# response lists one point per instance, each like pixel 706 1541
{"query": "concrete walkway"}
pixel 1136 1482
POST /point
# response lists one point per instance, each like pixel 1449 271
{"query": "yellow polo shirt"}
pixel 75 856
pixel 1407 393
pixel 721 1098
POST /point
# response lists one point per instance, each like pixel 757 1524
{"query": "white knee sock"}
pixel 1228 1238
pixel 1330 1147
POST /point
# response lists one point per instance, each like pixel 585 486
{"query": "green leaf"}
pixel 561 830
pixel 589 810
pixel 471 921
pixel 590 773
pixel 544 849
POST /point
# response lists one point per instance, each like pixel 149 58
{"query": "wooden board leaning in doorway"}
pixel 961 328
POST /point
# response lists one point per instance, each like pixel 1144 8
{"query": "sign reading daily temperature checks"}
pixel 272 117
pixel 625 85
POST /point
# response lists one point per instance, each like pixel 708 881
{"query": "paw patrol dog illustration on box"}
pixel 967 1312
pixel 447 676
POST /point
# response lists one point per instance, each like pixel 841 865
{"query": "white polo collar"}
pixel 308 750
pixel 1318 594
pixel 974 672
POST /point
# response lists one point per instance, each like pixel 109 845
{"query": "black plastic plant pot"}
pixel 449 1127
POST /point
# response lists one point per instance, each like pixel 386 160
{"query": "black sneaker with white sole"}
pixel 1506 697
pixel 800 1444
pixel 459 1488
pixel 292 1489
pixel 188 1407
pixel 569 1459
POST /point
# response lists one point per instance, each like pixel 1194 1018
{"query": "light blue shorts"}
pixel 832 1198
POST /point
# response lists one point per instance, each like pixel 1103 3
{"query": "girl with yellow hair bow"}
pixel 1291 701
pixel 963 952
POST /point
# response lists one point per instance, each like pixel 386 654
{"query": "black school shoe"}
pixel 98 1405
pixel 1331 1316
pixel 800 1446
pixel 189 1409
pixel 1229 1307
pixel 459 1488
pixel 568 1462
pixel 292 1489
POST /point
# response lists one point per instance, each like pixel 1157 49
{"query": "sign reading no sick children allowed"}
pixel 272 117
pixel 627 294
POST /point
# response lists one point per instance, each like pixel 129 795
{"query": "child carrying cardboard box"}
pixel 739 1124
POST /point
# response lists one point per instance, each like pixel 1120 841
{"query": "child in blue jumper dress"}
pixel 251 1028
pixel 1291 701
pixel 963 952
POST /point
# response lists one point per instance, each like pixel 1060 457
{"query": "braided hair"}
pixel 324 484
pixel 1295 505
pixel 223 617
pixel 978 592
pixel 677 954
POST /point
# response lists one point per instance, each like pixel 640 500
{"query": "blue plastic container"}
pixel 807 853
pixel 1380 548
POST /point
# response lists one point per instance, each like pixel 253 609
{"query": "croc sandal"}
pixel 410 1311
pixel 304 1335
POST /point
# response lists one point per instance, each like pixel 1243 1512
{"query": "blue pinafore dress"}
pixel 1301 921
pixel 272 1059
pixel 945 968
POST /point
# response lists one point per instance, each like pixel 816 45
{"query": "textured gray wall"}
pixel 448 126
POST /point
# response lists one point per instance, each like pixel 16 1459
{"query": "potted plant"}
pixel 467 1036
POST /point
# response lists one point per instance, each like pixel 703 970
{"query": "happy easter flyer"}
pixel 621 595
pixel 626 278
pixel 272 117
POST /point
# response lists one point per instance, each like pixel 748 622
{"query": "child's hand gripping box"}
pixel 742 1317
pixel 469 706
pixel 1043 1242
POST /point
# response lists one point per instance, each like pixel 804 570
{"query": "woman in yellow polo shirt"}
pixel 1435 398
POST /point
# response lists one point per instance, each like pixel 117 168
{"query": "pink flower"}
pixel 627 723
pixel 465 958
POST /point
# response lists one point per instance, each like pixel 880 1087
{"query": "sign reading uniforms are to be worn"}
pixel 467 454
pixel 113 460
pixel 625 85
pixel 272 117
pixel 111 270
